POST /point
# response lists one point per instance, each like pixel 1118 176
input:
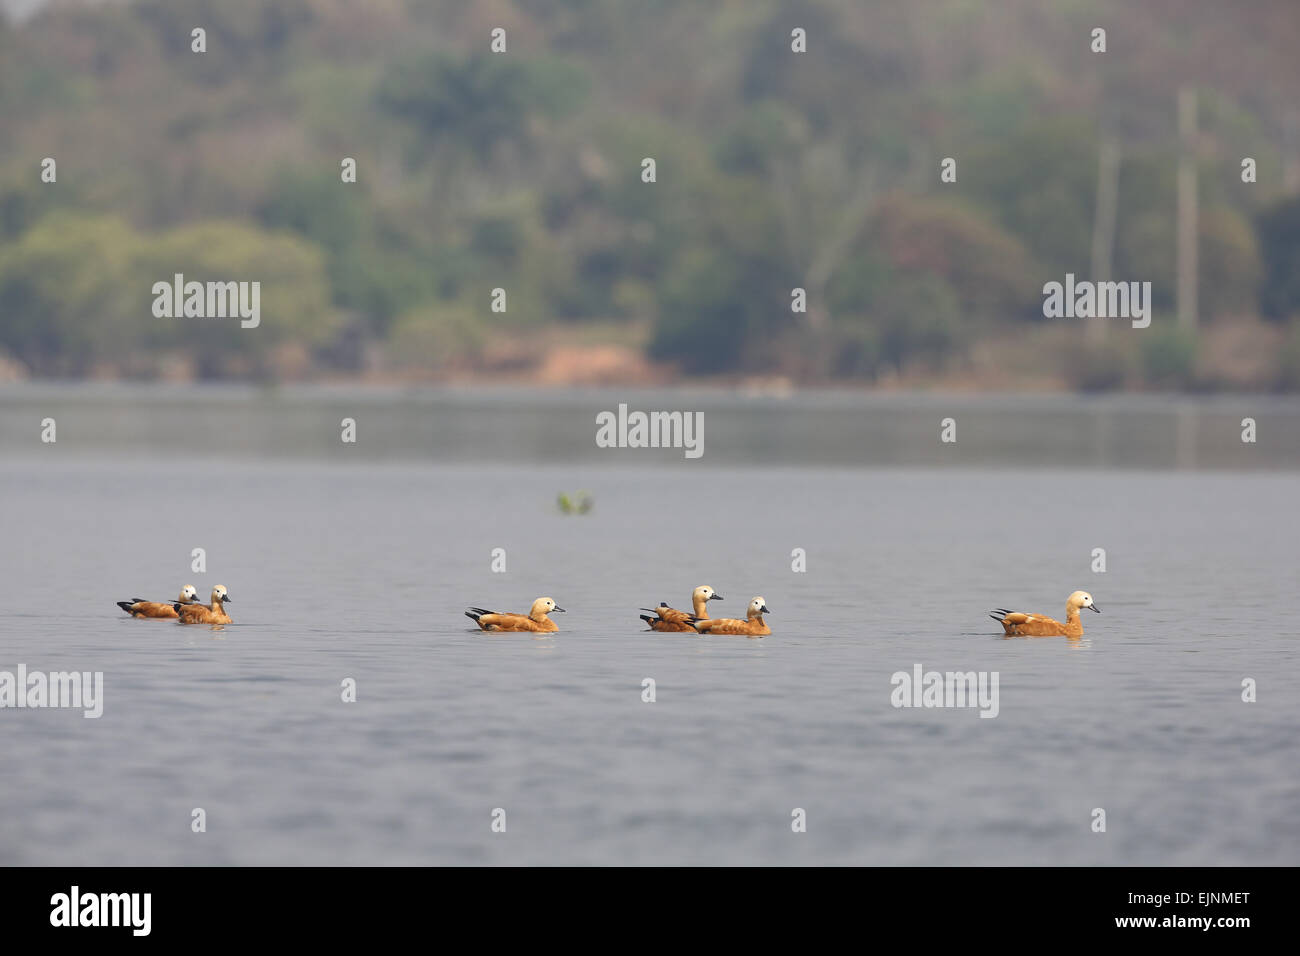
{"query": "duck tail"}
pixel 474 614
pixel 126 605
pixel 647 618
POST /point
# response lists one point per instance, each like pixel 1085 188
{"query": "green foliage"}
pixel 319 206
pixel 1144 252
pixel 1097 368
pixel 21 204
pixel 436 335
pixel 371 272
pixel 244 31
pixel 706 312
pixel 1279 237
pixel 815 85
pixel 914 317
pixel 477 170
pixel 988 271
pixel 1168 354
pixel 479 100
pixel 1288 373
pixel 579 503
pixel 1230 267
pixel 753 143
pixel 76 291
pixel 1039 185
pixel 295 297
pixel 72 291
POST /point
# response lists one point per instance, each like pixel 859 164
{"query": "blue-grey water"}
pixel 357 563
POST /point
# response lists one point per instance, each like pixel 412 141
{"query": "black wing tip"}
pixel 126 605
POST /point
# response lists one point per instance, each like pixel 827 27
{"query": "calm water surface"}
pixel 362 569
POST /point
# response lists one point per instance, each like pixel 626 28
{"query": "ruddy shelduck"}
pixel 670 619
pixel 139 607
pixel 1020 624
pixel 752 626
pixel 199 614
pixel 535 620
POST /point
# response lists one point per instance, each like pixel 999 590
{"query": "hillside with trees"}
pixel 522 171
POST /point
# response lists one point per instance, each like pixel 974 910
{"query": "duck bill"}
pixel 560 609
pixel 1095 608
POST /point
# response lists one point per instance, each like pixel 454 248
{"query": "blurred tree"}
pixel 240 33
pixel 989 271
pixel 1039 185
pixel 1168 355
pixel 72 294
pixel 374 271
pixel 705 315
pixel 478 100
pixel 76 293
pixel 776 169
pixel 1230 264
pixel 295 291
pixel 1279 239
pixel 436 336
pixel 896 320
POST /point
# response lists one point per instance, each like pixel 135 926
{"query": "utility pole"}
pixel 1187 210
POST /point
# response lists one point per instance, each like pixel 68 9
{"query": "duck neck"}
pixel 701 605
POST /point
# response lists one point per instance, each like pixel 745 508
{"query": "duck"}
pixel 139 607
pixel 535 620
pixel 752 626
pixel 202 614
pixel 1020 624
pixel 669 619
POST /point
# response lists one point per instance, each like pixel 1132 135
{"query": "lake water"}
pixel 358 561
